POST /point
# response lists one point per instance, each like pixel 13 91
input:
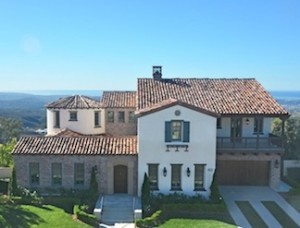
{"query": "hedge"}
pixel 153 221
pixel 83 216
pixel 65 203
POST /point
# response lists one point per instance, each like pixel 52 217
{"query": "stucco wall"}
pixel 83 125
pixel 116 128
pixel 105 165
pixel 152 148
pixel 247 128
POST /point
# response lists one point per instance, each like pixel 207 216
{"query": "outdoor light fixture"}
pixel 276 164
pixel 247 121
pixel 165 171
pixel 188 172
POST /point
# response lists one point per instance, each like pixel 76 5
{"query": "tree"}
pixel 291 136
pixel 9 129
pixel 13 184
pixel 5 153
pixel 146 194
pixel 93 183
pixel 215 195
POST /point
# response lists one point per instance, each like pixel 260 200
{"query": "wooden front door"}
pixel 120 179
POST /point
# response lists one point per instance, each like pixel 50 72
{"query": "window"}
pixel 131 117
pixel 258 125
pixel 79 173
pixel 219 123
pixel 177 130
pixel 34 173
pixel 121 117
pixel 97 118
pixel 153 176
pixel 199 177
pixel 56 173
pixel 110 116
pixel 56 119
pixel 73 116
pixel 176 177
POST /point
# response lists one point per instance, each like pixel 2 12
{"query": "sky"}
pixel 107 45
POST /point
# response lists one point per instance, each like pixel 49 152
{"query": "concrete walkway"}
pixel 255 195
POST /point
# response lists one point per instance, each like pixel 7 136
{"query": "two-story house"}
pixel 179 131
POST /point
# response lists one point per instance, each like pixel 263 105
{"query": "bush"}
pixel 83 216
pixel 153 221
pixel 5 199
pixel 3 222
pixel 28 197
pixel 65 203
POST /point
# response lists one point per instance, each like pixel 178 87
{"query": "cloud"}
pixel 31 44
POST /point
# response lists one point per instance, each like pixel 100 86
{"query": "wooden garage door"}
pixel 243 172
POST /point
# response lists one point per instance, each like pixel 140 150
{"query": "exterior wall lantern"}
pixel 188 172
pixel 247 121
pixel 165 171
pixel 276 164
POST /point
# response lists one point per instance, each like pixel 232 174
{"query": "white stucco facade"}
pixel 247 127
pixel 201 148
pixel 85 123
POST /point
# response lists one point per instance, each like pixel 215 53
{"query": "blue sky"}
pixel 106 45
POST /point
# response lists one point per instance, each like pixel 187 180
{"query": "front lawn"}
pixel 25 216
pixel 194 223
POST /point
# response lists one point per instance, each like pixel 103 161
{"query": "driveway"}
pixel 254 195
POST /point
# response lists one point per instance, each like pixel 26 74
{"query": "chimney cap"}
pixel 157 72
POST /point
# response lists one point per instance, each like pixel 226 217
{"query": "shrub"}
pixel 65 203
pixel 3 222
pixel 215 195
pixel 28 197
pixel 5 199
pixel 93 184
pixel 153 221
pixel 83 216
pixel 146 195
pixel 14 190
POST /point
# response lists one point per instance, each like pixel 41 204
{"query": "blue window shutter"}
pixel 168 137
pixel 186 131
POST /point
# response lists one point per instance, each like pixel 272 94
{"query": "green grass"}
pixel 251 215
pixel 293 199
pixel 25 216
pixel 279 214
pixel 194 223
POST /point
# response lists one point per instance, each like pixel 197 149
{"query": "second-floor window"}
pixel 73 115
pixel 177 131
pixel 258 125
pixel 131 117
pixel 121 117
pixel 110 116
pixel 97 118
pixel 56 119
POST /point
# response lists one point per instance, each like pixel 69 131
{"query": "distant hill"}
pixel 29 108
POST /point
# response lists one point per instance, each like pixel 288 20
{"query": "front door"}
pixel 120 179
pixel 236 129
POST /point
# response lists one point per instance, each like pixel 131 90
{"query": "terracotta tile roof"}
pixel 68 133
pixel 222 96
pixel 76 146
pixel 74 102
pixel 169 103
pixel 118 99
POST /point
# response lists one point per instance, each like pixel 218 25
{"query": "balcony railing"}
pixel 272 143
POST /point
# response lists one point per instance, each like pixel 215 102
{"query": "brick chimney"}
pixel 157 73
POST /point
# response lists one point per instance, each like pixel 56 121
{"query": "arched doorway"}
pixel 120 178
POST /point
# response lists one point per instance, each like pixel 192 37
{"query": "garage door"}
pixel 243 172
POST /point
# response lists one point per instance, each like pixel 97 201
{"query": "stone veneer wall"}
pixel 104 175
pixel 119 129
pixel 274 172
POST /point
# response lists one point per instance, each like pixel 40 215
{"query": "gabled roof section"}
pixel 169 103
pixel 222 96
pixel 74 102
pixel 118 99
pixel 76 146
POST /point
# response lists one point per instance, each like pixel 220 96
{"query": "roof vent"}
pixel 157 73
